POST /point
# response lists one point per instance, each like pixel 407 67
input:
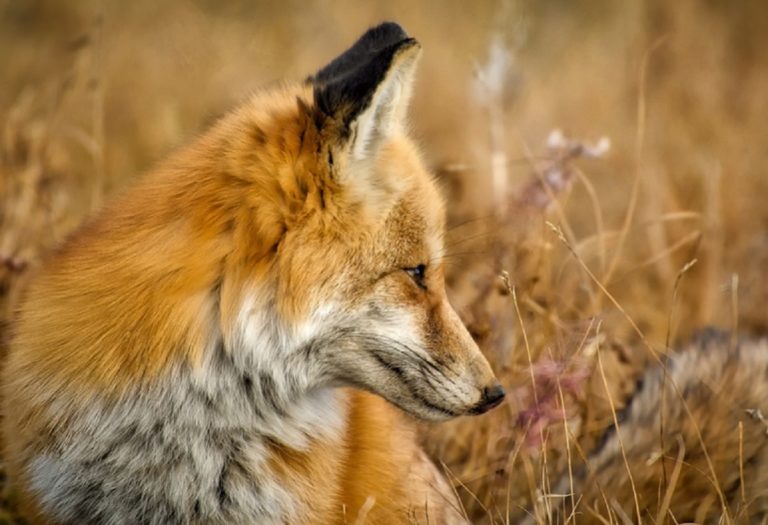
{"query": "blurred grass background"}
pixel 93 92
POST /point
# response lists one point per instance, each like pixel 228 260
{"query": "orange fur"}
pixel 267 202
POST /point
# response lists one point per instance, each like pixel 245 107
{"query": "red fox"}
pixel 217 344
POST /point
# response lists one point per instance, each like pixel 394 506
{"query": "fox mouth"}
pixel 440 410
pixel 491 397
pixel 414 392
pixel 407 378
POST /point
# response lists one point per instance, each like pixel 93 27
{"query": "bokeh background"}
pixel 559 249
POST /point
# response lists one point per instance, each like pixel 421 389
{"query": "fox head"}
pixel 301 238
pixel 352 224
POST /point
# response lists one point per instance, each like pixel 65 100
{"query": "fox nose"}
pixel 492 396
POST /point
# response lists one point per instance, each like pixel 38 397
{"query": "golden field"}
pixel 574 265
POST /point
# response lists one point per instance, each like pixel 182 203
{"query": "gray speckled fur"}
pixel 719 383
pixel 189 450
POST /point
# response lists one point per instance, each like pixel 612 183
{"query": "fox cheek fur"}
pixel 413 351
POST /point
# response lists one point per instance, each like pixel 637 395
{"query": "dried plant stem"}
pixel 734 310
pixel 527 345
pixel 597 209
pixel 663 402
pixel 670 489
pixel 456 481
pixel 362 514
pixel 639 141
pixel 618 431
pixel 741 464
pixel 567 450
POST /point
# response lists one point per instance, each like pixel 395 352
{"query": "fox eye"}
pixel 418 274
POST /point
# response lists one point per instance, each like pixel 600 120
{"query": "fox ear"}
pixel 365 91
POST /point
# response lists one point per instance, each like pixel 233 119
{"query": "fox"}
pixel 690 446
pixel 252 331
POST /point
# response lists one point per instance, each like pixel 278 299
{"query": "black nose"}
pixel 492 396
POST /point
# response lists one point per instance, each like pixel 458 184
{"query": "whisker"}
pixel 457 255
pixel 471 238
pixel 468 221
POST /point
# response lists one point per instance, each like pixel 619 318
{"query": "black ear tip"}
pixel 374 41
pixel 387 33
pixel 346 86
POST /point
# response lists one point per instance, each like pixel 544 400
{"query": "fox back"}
pixel 187 356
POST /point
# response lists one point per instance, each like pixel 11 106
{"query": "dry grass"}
pixel 94 92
